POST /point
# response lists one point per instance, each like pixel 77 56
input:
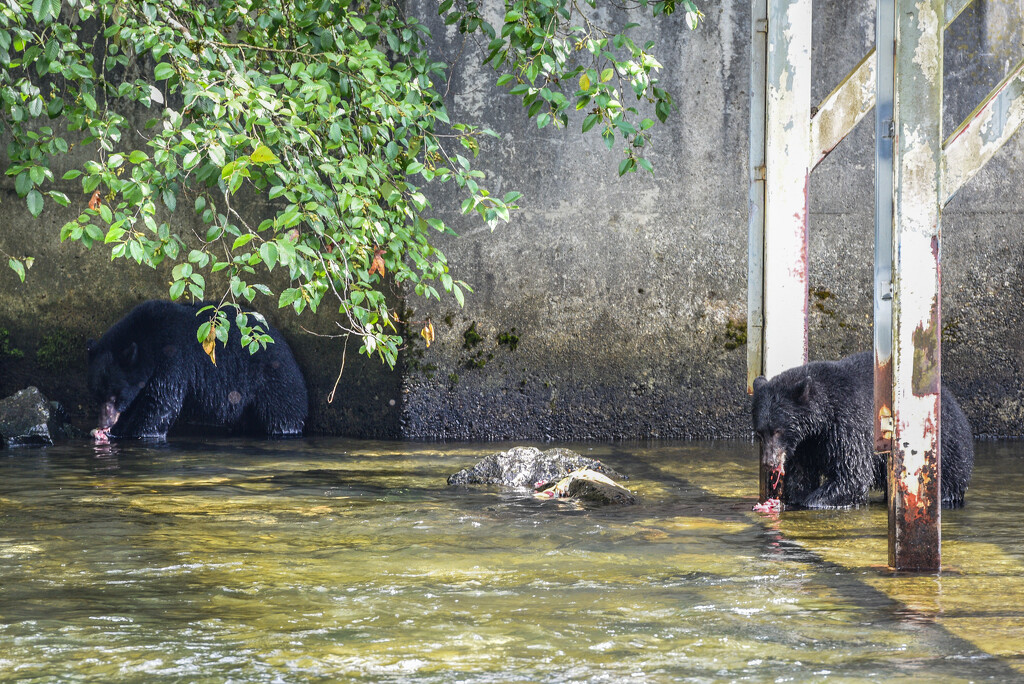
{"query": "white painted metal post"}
pixel 914 473
pixel 780 144
pixel 787 155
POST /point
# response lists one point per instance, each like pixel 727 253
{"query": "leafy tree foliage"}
pixel 301 132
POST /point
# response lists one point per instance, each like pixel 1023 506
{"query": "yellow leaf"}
pixel 377 265
pixel 428 333
pixel 584 81
pixel 264 155
pixel 210 344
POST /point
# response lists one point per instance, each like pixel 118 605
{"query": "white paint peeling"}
pixel 928 53
pixel 787 151
pixel 919 177
pixel 843 108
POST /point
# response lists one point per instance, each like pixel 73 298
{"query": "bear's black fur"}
pixel 814 425
pixel 149 370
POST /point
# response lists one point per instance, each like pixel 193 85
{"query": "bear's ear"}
pixel 803 390
pixel 130 354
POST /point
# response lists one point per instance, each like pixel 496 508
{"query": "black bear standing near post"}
pixel 149 370
pixel 814 425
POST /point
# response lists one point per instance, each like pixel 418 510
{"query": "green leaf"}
pixel 264 155
pixel 137 157
pixel 217 155
pixel 268 253
pixel 242 240
pixel 178 288
pixel 288 296
pixel 18 268
pixel 43 10
pixel 163 71
pixel 35 202
pixel 23 183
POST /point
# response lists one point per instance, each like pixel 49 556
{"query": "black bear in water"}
pixel 814 425
pixel 149 370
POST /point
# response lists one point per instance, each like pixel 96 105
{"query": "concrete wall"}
pixel 614 308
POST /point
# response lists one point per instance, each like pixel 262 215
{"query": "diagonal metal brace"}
pixel 982 133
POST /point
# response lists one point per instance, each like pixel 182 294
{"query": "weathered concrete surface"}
pixel 612 308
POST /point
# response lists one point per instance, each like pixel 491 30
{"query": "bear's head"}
pixel 783 416
pixel 116 377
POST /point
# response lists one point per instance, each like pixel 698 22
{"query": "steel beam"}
pixel 982 133
pixel 885 42
pixel 914 474
pixel 755 228
pixel 843 109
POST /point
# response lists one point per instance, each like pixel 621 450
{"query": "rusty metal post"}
pixel 884 174
pixel 777 266
pixel 914 475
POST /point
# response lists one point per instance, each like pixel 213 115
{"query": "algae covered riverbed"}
pixel 334 560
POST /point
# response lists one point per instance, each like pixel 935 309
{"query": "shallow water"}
pixel 332 560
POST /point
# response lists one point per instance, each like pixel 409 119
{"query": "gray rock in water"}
pixel 600 492
pixel 25 419
pixel 526 466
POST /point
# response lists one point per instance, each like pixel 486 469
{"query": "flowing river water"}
pixel 327 560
